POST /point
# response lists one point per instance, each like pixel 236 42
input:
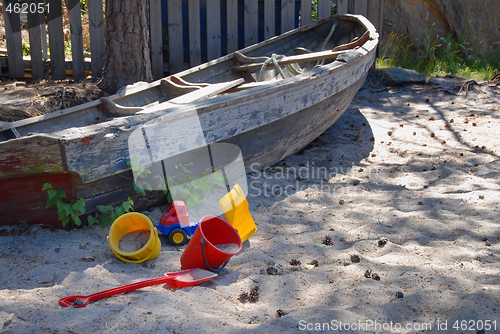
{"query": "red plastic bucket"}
pixel 201 251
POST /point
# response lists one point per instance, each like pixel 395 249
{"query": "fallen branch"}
pixel 53 280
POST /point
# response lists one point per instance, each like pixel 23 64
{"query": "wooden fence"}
pixel 183 33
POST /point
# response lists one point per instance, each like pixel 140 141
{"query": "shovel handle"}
pixel 129 288
pixel 68 301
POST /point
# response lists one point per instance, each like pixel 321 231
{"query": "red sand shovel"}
pixel 179 279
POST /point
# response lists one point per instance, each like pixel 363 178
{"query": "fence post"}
pixel 251 23
pixel 324 8
pixel 75 22
pixel 213 30
pixel 14 41
pixel 287 15
pixel 194 33
pixel 361 7
pixel 96 30
pixel 375 13
pixel 269 19
pixel 155 34
pixel 232 25
pixel 305 12
pixel 56 40
pixel 376 16
pixel 34 23
pixel 175 42
pixel 342 7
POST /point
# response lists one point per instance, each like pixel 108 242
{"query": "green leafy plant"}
pixel 67 49
pixel 314 10
pixel 70 212
pixel 67 212
pixel 26 48
pixel 108 214
pixel 190 189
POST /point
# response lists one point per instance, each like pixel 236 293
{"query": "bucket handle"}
pixel 202 243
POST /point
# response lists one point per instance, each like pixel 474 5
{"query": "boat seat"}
pixel 180 81
pixel 202 93
pixel 114 109
pixel 207 92
pixel 177 86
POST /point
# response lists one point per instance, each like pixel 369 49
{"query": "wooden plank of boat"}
pixel 197 95
pixel 354 44
pixel 182 82
pixel 206 92
pixel 47 117
pixel 329 54
pixel 249 86
pixel 300 50
pixel 117 110
pixel 23 201
pixel 33 155
pixel 178 86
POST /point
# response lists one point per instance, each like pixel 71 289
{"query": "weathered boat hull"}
pixel 268 122
pixel 295 132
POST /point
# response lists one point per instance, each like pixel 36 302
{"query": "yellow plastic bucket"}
pixel 131 222
pixel 235 208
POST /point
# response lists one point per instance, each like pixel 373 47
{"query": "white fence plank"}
pixel 342 7
pixel 324 8
pixel 305 12
pixel 14 41
pixel 194 33
pixel 269 19
pixel 251 24
pixel 35 20
pixel 232 25
pixel 155 35
pixel 175 42
pixel 213 30
pixel 361 7
pixel 75 22
pixel 97 41
pixel 287 15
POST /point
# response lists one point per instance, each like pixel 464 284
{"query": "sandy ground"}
pixel 402 218
pixel 21 99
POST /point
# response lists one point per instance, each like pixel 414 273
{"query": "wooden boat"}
pixel 238 99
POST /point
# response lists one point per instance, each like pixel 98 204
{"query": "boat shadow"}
pixel 321 165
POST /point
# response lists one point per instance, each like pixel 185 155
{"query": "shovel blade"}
pixel 188 277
